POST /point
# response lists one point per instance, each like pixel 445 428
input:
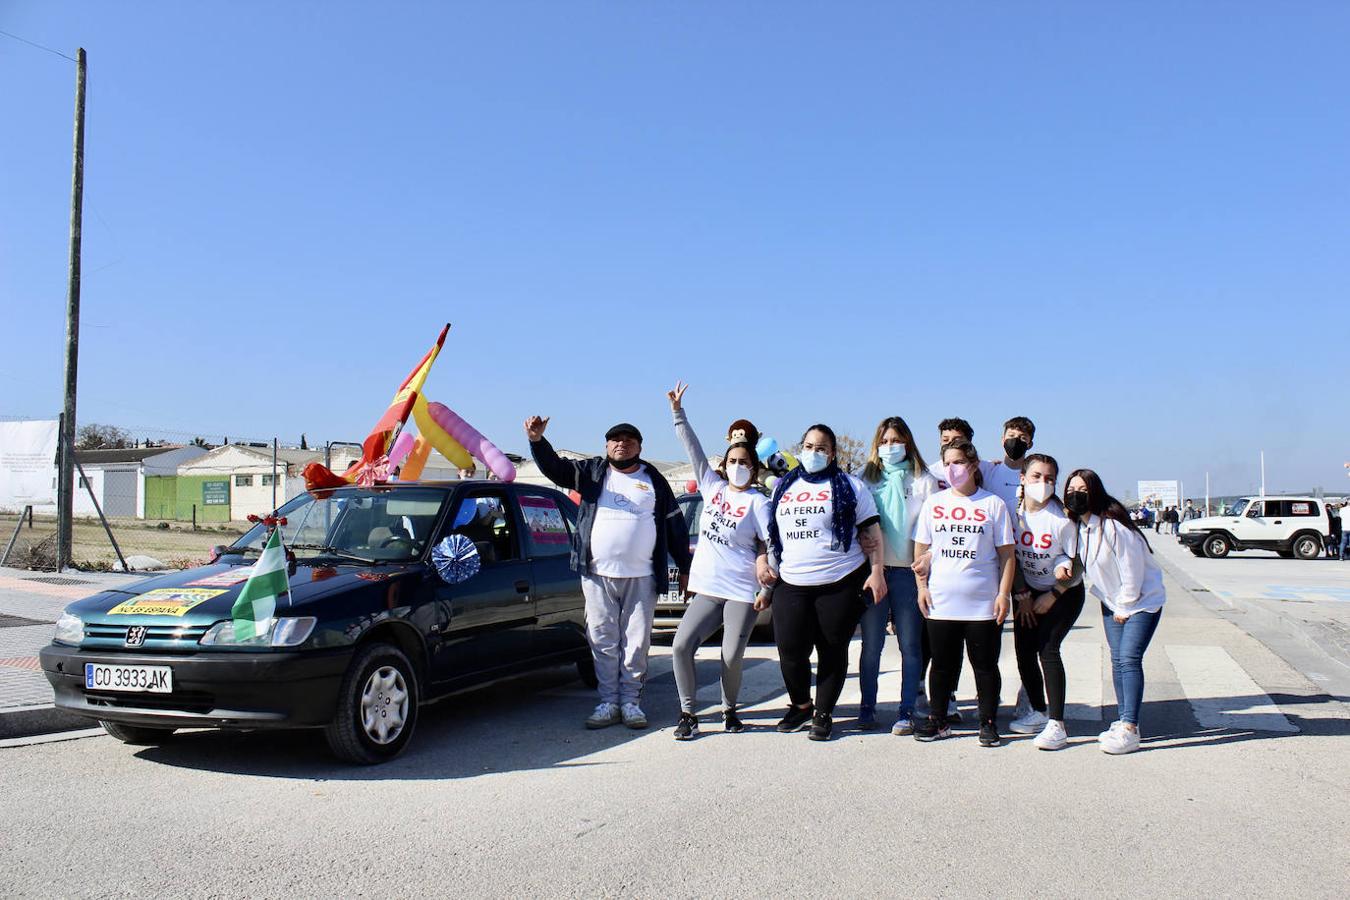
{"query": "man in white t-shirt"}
pixel 1003 478
pixel 628 523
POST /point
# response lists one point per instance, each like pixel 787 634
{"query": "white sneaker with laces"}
pixel 1054 737
pixel 1122 740
pixel 605 715
pixel 1029 723
pixel 633 716
pixel 1109 731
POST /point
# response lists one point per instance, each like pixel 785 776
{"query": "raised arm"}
pixel 562 472
pixel 685 432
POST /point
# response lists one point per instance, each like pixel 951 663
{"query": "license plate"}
pixel 131 679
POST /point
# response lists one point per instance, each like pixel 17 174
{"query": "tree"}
pixel 304 445
pixel 101 437
pixel 851 454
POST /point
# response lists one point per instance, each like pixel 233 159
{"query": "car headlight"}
pixel 69 630
pixel 288 632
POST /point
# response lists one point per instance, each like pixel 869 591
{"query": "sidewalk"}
pixel 30 603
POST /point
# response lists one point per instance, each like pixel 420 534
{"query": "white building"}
pixel 117 477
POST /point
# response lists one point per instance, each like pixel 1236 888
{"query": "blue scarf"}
pixel 845 505
pixel 890 494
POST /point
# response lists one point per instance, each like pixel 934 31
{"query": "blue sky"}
pixel 1128 222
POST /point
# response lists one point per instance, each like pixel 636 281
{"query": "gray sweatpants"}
pixel 704 616
pixel 619 615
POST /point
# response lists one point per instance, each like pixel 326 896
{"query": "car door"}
pixel 1263 524
pixel 492 614
pixel 546 526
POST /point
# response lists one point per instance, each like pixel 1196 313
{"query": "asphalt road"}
pixel 1243 788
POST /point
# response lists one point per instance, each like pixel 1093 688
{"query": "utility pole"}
pixel 65 483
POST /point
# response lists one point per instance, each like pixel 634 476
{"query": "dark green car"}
pixel 379 620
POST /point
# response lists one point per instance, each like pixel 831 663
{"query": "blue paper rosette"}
pixel 456 559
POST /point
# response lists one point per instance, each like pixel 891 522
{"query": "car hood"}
pixel 206 595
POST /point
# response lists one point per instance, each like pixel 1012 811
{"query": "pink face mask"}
pixel 958 474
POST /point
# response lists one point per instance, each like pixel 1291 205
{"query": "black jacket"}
pixel 587 478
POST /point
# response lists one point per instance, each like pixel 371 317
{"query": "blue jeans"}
pixel 902 607
pixel 1345 543
pixel 1128 641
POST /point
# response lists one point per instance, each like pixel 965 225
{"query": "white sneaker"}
pixel 1122 740
pixel 605 715
pixel 633 716
pixel 1023 708
pixel 1030 723
pixel 1054 737
pixel 1109 731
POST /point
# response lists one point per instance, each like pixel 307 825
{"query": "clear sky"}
pixel 1130 222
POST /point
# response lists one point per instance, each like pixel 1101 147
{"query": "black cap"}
pixel 623 428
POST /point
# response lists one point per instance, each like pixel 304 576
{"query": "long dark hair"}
pixel 1030 460
pixel 754 461
pixel 972 458
pixel 1100 503
pixel 872 471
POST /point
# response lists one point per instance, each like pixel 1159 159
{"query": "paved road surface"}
pixel 1243 788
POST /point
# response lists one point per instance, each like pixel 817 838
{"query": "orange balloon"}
pixel 416 461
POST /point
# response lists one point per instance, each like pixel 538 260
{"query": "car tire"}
pixel 1285 554
pixel 377 706
pixel 1217 546
pixel 137 734
pixel 1306 545
pixel 586 672
pixel 1197 549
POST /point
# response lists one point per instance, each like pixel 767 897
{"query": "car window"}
pixel 546 530
pixel 692 507
pixel 1303 508
pixel 1254 510
pixel 484 519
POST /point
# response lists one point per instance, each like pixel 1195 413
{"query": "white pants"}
pixel 619 614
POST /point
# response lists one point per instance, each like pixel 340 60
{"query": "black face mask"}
pixel 1076 502
pixel 623 463
pixel 1016 448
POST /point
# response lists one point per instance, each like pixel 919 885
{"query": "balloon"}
pixel 766 447
pixel 416 461
pixel 449 447
pixel 690 486
pixel 465 435
pixel 402 447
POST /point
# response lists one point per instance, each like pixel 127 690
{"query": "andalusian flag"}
pixel 257 602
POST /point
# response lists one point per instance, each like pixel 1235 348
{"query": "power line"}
pixel 37 45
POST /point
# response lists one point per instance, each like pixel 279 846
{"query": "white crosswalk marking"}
pixel 1221 693
pixel 1083 680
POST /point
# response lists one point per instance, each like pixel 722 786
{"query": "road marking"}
pixel 1221 693
pixel 1083 698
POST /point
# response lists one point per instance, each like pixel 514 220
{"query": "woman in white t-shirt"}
pixel 1047 608
pixel 965 595
pixel 1119 564
pixel 900 482
pixel 826 538
pixel 730 557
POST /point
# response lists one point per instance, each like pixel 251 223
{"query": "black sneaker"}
pixel 796 719
pixel 821 726
pixel 731 722
pixel 989 735
pixel 687 728
pixel 867 719
pixel 932 729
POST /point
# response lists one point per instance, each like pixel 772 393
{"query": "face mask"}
pixel 892 454
pixel 813 460
pixel 622 463
pixel 738 474
pixel 1016 448
pixel 1076 502
pixel 958 474
pixel 1039 491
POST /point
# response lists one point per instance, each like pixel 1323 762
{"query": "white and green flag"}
pixel 257 602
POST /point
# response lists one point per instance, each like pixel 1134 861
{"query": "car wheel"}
pixel 1307 546
pixel 1196 549
pixel 377 706
pixel 137 734
pixel 1217 546
pixel 586 672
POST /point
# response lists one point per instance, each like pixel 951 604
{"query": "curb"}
pixel 39 719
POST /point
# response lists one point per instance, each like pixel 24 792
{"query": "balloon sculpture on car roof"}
pixel 391 445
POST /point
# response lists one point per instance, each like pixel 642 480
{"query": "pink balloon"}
pixel 691 485
pixel 470 438
pixel 402 447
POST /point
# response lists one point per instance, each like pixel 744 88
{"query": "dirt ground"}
pixel 177 546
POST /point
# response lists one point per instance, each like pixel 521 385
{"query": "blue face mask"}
pixel 892 454
pixel 813 460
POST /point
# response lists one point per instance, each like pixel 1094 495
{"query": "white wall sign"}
pixel 28 465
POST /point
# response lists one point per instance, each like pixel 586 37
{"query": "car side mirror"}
pixel 456 559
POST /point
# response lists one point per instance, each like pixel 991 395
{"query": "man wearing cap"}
pixel 629 522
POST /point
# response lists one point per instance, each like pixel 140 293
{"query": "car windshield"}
pixel 1239 508
pixel 356 524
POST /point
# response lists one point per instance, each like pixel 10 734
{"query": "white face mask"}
pixel 1038 491
pixel 892 454
pixel 813 460
pixel 738 474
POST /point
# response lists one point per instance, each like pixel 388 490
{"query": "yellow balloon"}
pixel 448 447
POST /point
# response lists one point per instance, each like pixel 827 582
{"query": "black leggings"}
pixel 1038 650
pixel 822 617
pixel 982 640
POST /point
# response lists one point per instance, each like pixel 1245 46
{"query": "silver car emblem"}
pixel 135 635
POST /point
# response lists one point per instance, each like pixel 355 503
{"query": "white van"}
pixel 1291 526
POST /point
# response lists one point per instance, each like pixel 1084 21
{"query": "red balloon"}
pixel 691 485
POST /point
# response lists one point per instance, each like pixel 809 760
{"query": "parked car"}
pixel 370 631
pixel 671 605
pixel 1291 526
